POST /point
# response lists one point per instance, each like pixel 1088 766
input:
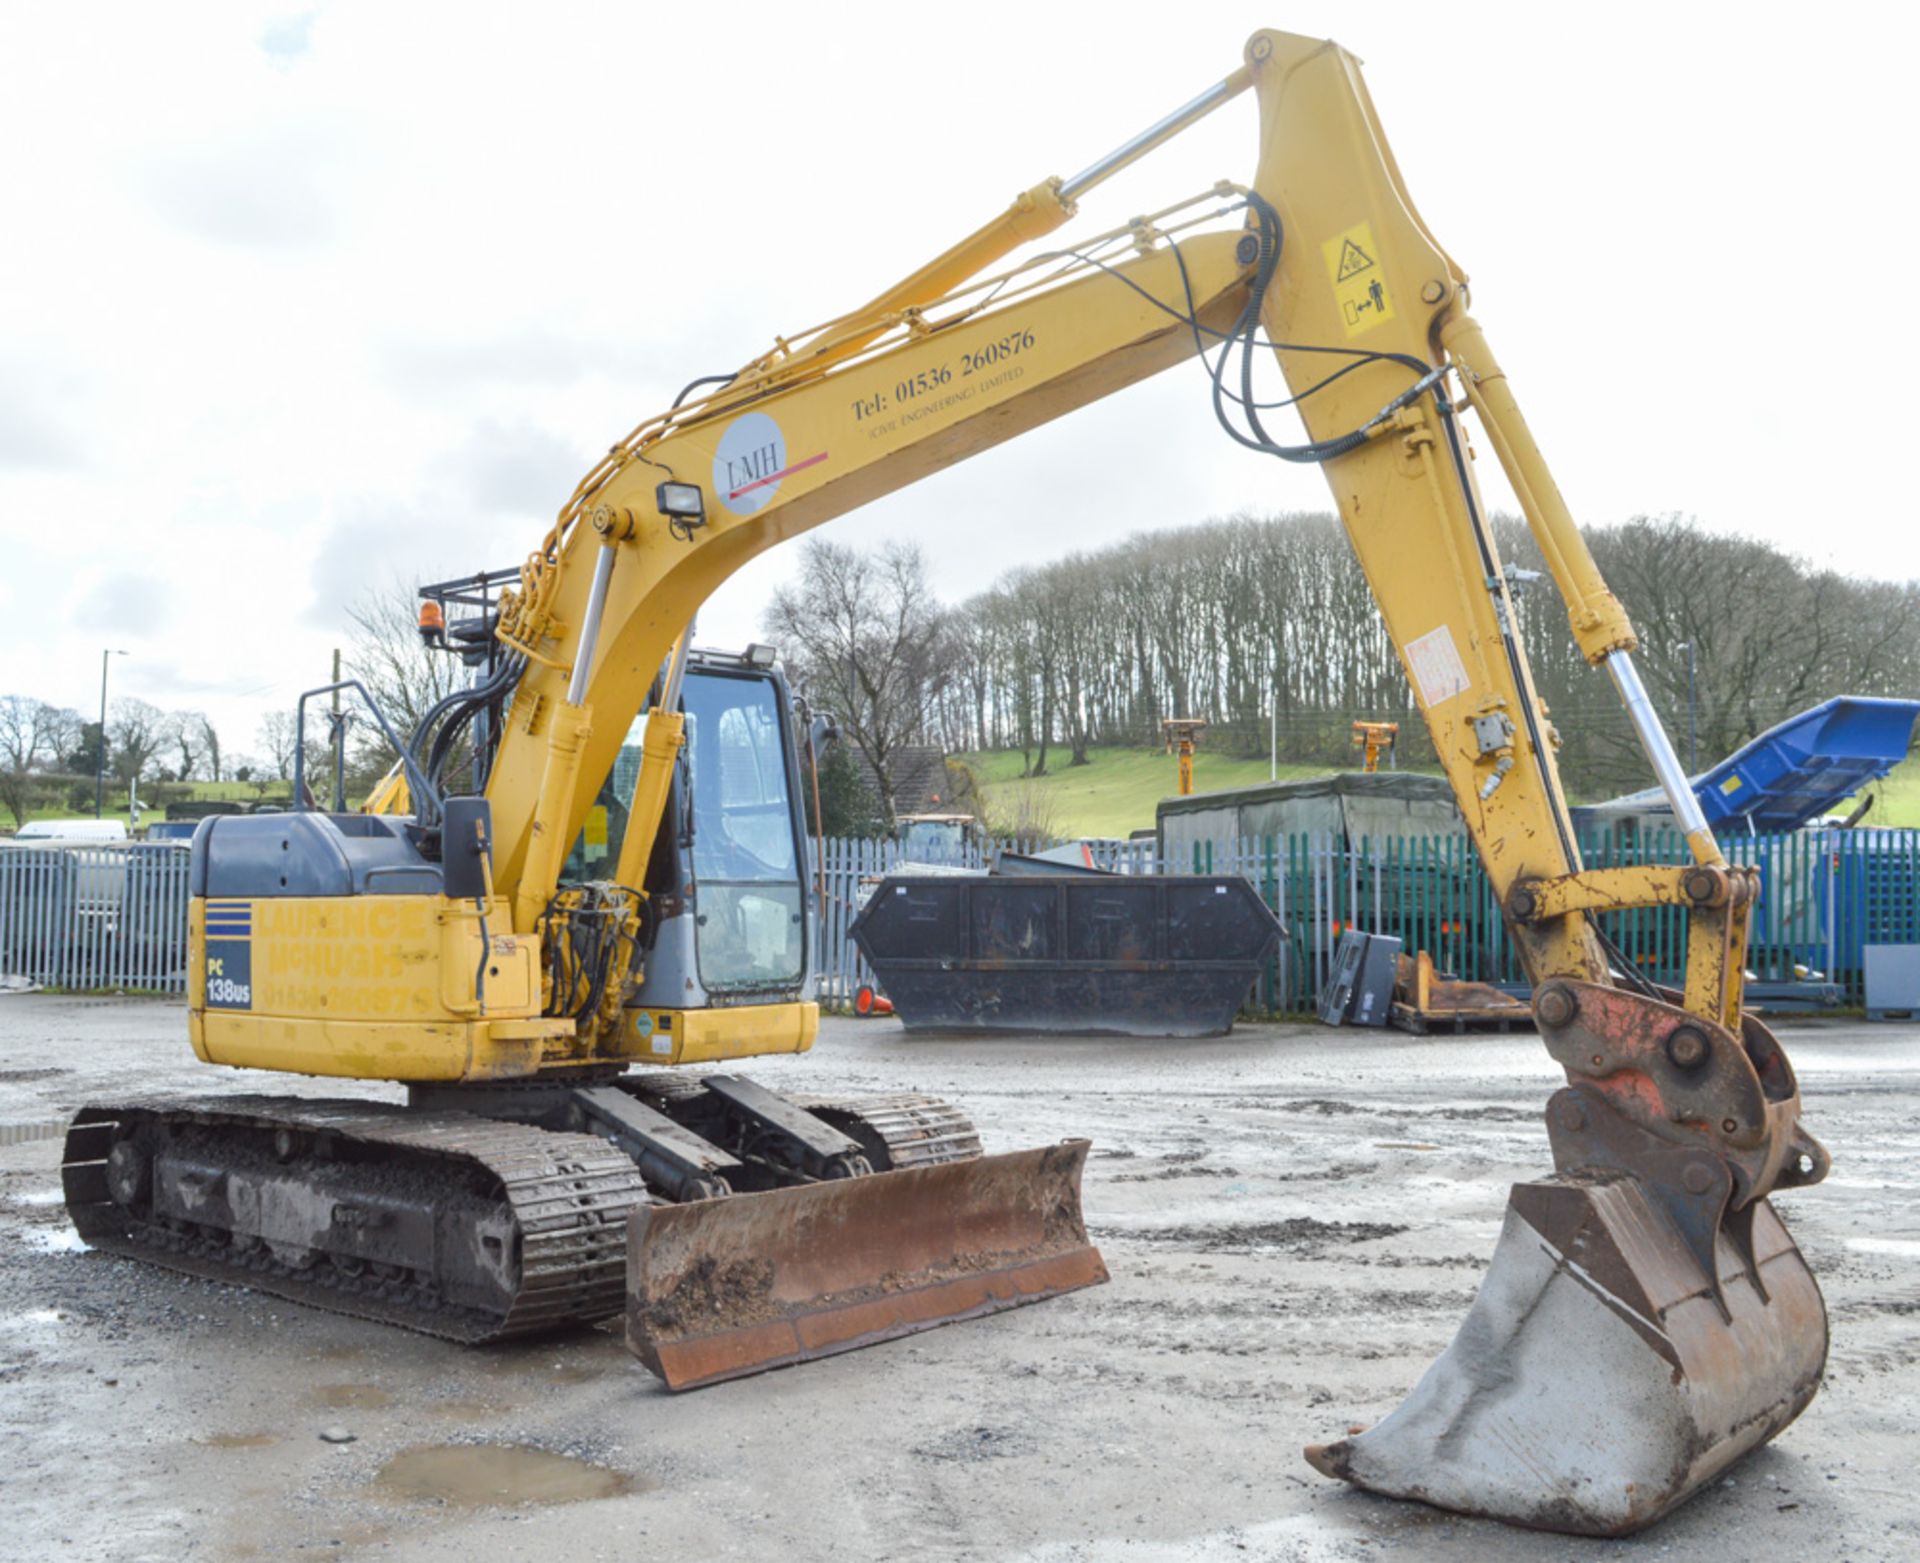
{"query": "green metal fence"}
pixel 98 917
pixel 1825 896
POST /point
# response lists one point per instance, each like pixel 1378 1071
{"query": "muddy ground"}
pixel 1295 1220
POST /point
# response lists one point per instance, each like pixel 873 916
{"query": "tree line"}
pixel 1259 624
pixel 53 759
pixel 1265 625
pixel 51 756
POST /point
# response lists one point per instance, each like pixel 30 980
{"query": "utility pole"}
pixel 1273 709
pixel 100 776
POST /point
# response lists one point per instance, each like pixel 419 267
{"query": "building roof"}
pixel 920 783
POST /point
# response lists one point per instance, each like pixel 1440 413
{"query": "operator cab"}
pixel 726 919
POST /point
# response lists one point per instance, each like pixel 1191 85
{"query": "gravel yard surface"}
pixel 1295 1219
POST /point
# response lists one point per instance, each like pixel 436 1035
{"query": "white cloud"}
pixel 302 300
pixel 121 604
pixel 514 469
pixel 286 38
pixel 29 436
pixel 263 186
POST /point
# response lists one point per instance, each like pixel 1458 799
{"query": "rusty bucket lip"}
pixel 953 1241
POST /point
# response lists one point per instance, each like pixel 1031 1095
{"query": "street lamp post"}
pixel 100 776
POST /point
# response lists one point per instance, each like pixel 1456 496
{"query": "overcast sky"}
pixel 301 301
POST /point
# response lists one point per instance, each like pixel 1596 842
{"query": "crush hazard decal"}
pixel 229 955
pixel 1359 288
pixel 751 463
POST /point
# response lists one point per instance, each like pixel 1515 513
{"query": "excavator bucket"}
pixel 721 1288
pixel 1601 1377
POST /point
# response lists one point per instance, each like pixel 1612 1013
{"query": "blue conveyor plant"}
pixel 1795 772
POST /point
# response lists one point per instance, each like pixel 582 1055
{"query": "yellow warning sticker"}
pixel 596 830
pixel 1730 785
pixel 1359 285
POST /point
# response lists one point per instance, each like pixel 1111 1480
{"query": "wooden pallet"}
pixel 1424 1003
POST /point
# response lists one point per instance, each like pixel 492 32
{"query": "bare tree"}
pixel 278 739
pixel 210 747
pixel 278 743
pixel 868 640
pixel 404 677
pixel 33 736
pixel 137 733
pixel 185 737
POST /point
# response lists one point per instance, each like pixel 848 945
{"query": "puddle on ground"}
pixel 350 1397
pixel 484 1475
pixel 239 1440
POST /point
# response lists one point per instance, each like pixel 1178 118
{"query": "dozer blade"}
pixel 1597 1381
pixel 721 1288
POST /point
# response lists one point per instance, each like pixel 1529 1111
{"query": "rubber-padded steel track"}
pixel 562 1198
pixel 897 1131
pixel 916 1131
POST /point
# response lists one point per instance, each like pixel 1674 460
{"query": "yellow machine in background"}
pixel 1374 739
pixel 1183 738
pixel 1646 1318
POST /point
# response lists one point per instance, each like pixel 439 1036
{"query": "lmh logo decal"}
pixel 751 462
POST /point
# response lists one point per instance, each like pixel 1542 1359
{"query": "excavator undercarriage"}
pixel 480 1213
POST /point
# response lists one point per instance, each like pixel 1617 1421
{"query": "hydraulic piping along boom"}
pixel 567 732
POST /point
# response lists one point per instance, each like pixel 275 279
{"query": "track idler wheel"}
pixel 1601 1377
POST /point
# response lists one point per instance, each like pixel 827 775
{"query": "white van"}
pixel 73 831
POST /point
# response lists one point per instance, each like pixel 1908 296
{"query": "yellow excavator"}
pixel 1645 1320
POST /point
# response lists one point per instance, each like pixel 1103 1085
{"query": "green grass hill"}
pixel 1116 792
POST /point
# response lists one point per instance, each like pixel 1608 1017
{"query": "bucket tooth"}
pixel 1597 1382
pixel 721 1288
